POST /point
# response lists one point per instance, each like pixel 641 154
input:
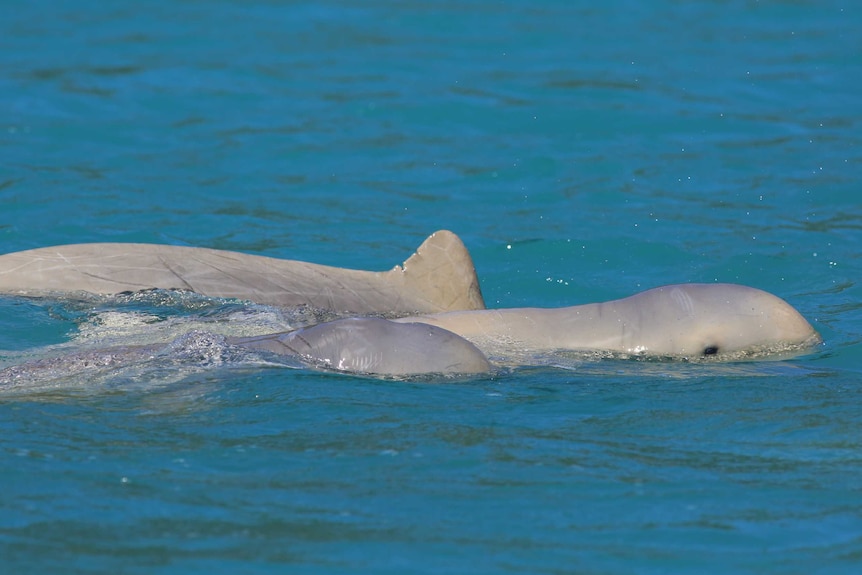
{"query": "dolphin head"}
pixel 724 321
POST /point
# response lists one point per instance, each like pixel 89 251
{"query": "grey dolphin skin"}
pixel 366 345
pixel 683 321
pixel 438 277
pixel 686 321
pixel 452 332
pixel 375 346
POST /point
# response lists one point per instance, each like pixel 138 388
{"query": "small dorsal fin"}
pixel 442 272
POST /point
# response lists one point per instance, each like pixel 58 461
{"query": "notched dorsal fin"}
pixel 442 272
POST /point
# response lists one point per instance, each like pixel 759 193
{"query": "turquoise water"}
pixel 582 151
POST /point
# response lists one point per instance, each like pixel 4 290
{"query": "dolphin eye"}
pixel 710 350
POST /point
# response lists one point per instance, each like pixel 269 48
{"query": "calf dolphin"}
pixel 374 346
pixel 438 277
pixel 371 346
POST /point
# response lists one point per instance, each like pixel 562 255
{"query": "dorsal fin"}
pixel 442 272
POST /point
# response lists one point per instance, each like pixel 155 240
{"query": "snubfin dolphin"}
pixel 438 277
pixel 374 346
pixel 726 321
pixel 686 321
pixel 689 321
pixel 455 334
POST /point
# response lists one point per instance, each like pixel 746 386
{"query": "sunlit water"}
pixel 583 151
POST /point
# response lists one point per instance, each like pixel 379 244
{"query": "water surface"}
pixel 582 152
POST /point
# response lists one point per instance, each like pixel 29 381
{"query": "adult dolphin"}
pixel 676 321
pixel 438 277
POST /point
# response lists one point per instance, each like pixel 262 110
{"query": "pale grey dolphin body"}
pixel 725 321
pixel 722 321
pixel 686 321
pixel 438 277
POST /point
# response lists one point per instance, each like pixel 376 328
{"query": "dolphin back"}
pixel 375 346
pixel 439 276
